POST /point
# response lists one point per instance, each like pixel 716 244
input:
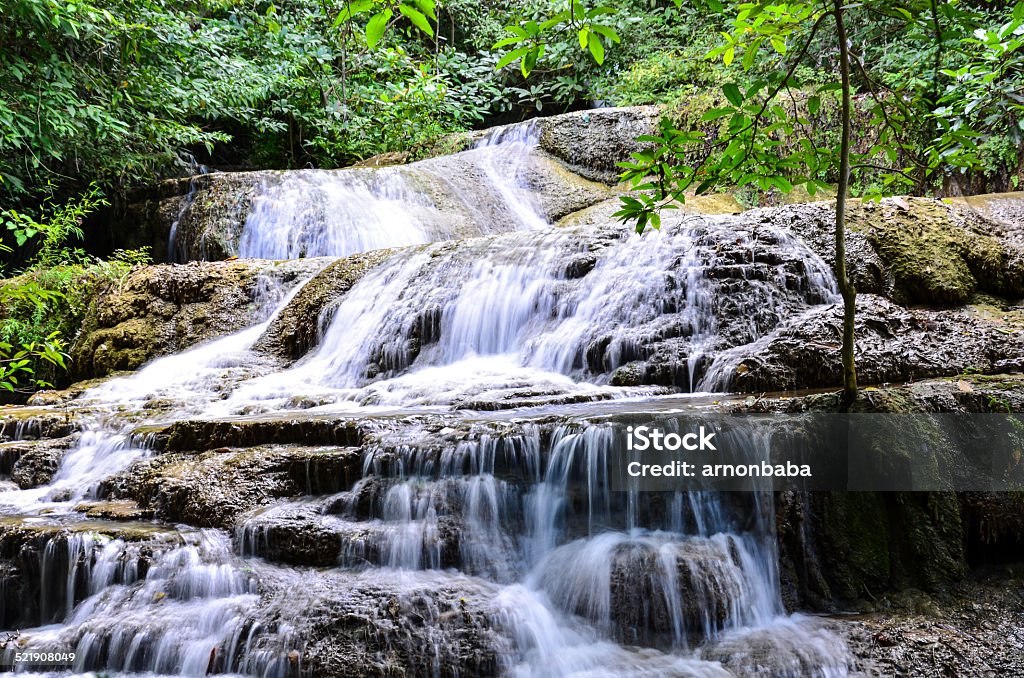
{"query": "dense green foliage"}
pixel 119 92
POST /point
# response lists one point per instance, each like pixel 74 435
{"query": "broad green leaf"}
pixel 606 32
pixel 717 113
pixel 417 19
pixel 351 10
pixel 530 61
pixel 505 42
pixel 596 48
pixel 732 92
pixel 428 7
pixel 375 27
pixel 512 56
pixel 814 104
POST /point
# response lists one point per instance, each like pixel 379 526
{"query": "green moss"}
pixel 934 258
pixel 854 528
pixel 446 145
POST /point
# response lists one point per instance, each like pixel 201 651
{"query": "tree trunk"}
pixel 846 288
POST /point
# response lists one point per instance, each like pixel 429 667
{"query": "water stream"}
pixel 562 575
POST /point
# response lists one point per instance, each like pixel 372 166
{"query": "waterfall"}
pixel 497 309
pixel 316 213
pixel 512 309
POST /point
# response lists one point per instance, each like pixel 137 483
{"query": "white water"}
pixel 434 327
pixel 315 213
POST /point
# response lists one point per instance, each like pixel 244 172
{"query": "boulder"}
pixel 894 344
pixel 159 310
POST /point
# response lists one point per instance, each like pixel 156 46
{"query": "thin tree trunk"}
pixel 846 288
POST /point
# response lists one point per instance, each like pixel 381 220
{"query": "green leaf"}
pixel 641 222
pixel 375 27
pixel 584 36
pixel 353 9
pixel 717 113
pixel 505 42
pixel 607 32
pixel 417 19
pixel 428 7
pixel 512 56
pixel 783 184
pixel 732 92
pixel 814 104
pixel 728 55
pixel 596 48
pixel 530 61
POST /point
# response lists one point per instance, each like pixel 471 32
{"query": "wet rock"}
pixel 994 527
pixel 894 344
pixel 212 489
pixel 35 423
pixel 917 250
pixel 786 647
pixel 842 550
pixel 158 310
pixel 39 460
pixel 592 142
pixel 356 625
pixel 297 328
pixel 974 630
pixel 113 510
pixel 201 435
pixel 46 399
pixel 299 534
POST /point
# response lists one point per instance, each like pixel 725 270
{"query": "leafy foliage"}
pixel 42 308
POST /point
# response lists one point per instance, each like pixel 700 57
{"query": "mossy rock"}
pixel 936 256
pixel 158 310
pixel 295 330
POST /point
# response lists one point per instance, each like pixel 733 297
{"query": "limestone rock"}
pixel 158 310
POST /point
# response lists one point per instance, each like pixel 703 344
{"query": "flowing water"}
pixel 552 571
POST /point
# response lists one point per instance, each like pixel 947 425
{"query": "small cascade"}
pixel 583 572
pixel 556 311
pixel 166 605
pixel 174 254
pixel 316 213
pixel 504 154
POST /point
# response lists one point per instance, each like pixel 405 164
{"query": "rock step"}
pixel 215 487
pixel 299 533
pixel 34 423
pixel 31 463
pixel 46 563
pixel 196 435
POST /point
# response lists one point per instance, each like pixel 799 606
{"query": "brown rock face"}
pixel 159 310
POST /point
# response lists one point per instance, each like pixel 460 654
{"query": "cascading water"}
pixel 573 578
pixel 315 213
